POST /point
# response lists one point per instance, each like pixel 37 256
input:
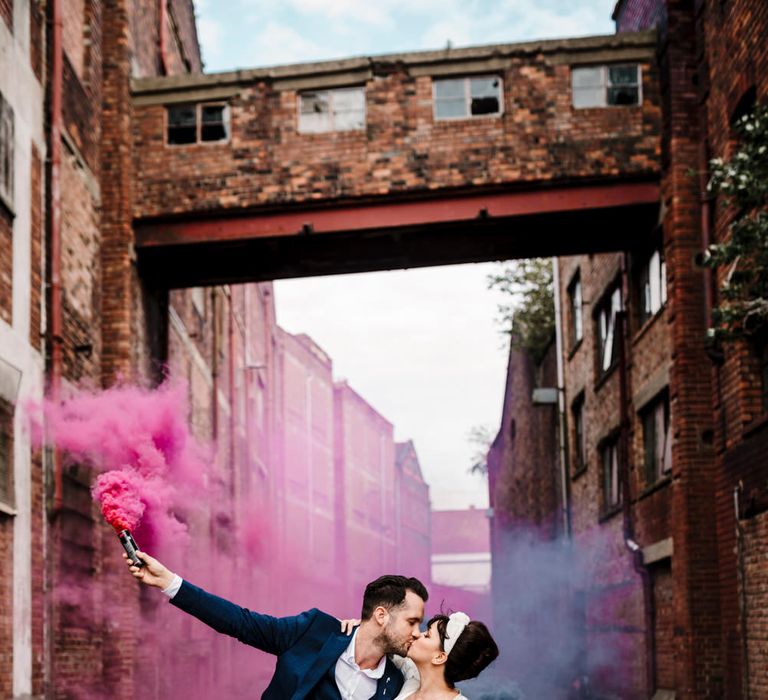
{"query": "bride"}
pixel 453 648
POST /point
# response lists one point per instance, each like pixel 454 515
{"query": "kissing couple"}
pixel 382 656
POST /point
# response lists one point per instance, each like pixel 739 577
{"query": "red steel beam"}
pixel 389 214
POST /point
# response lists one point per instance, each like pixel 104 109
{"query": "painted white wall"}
pixel 470 570
pixel 20 363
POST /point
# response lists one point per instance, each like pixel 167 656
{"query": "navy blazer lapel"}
pixel 390 683
pixel 329 654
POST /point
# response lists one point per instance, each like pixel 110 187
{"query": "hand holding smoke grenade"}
pixel 130 547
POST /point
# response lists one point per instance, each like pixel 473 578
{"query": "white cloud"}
pixel 278 44
pixel 209 31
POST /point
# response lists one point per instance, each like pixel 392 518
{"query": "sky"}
pixel 422 346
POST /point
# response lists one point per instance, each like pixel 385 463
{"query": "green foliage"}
pixel 742 311
pixel 480 437
pixel 530 314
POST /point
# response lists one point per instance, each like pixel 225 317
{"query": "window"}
pixel 6 454
pixel 609 460
pixel 575 306
pixel 606 329
pixel 463 98
pixel 332 110
pixel 657 442
pixel 605 86
pixel 6 151
pixel 652 285
pixel 579 439
pixel 195 123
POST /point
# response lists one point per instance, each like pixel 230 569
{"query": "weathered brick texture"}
pixel 402 148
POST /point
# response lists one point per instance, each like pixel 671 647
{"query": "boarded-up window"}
pixel 606 86
pixel 464 98
pixel 332 110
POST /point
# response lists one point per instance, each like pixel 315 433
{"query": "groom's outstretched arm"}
pixel 271 634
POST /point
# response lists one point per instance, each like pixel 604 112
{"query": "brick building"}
pixel 130 179
pixel 662 432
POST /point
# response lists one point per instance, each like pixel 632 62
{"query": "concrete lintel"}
pixel 658 551
pixel 200 94
pixel 331 80
pixel 634 54
pixel 412 60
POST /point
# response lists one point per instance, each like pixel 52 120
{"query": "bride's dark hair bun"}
pixel 472 652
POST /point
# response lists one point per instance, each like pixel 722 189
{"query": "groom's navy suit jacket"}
pixel 307 646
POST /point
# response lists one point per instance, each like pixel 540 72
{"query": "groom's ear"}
pixel 381 615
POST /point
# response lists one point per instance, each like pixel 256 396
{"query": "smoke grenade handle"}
pixel 130 547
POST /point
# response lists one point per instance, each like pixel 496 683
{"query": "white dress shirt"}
pixel 356 683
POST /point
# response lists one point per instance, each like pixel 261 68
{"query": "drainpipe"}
pixel 215 368
pixel 56 334
pixel 163 36
pixel 636 552
pixel 232 399
pixel 564 481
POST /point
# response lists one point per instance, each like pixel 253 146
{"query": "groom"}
pixel 314 658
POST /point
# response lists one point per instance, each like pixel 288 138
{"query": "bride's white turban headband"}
pixel 456 623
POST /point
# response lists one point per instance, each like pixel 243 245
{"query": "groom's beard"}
pixel 391 645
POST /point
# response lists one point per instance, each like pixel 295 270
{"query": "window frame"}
pixel 610 443
pixel 7 153
pixel 644 285
pixel 606 85
pixel 330 92
pixel 606 301
pixel 227 122
pixel 654 472
pixel 576 335
pixel 580 462
pixel 467 80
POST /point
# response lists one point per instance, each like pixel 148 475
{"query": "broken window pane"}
pixel 485 94
pixel 214 125
pixel 182 124
pixel 332 110
pixel 457 98
pixel 600 86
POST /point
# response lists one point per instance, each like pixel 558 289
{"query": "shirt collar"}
pixel 349 658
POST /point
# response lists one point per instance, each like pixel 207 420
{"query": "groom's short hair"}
pixel 389 592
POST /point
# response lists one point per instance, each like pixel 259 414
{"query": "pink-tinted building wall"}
pixel 365 469
pixel 307 485
pixel 412 515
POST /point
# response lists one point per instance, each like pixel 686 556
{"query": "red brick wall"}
pixel 36 252
pixel 402 147
pixel 756 583
pixel 36 37
pixel 6 12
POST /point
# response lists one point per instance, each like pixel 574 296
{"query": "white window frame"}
pixel 611 304
pixel 576 307
pixel 330 92
pixel 605 84
pixel 653 284
pixel 468 97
